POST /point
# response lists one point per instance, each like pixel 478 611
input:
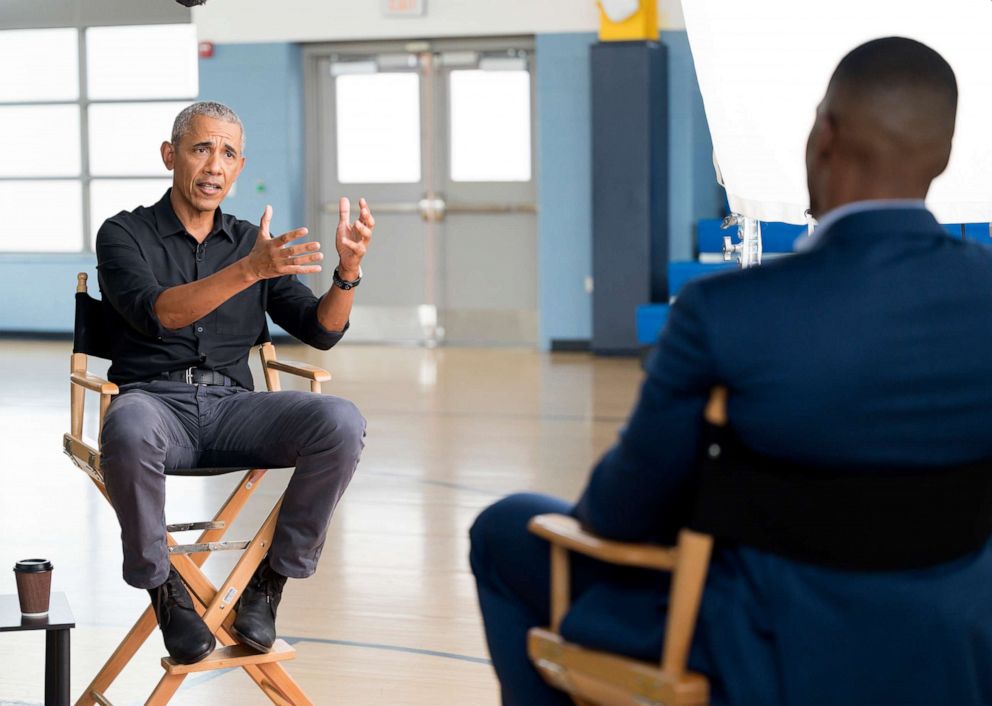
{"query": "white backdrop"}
pixel 763 66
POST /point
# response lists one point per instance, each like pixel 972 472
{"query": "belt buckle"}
pixel 189 375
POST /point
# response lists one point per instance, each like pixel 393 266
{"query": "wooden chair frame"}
pixel 594 678
pixel 216 606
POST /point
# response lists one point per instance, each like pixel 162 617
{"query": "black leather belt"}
pixel 868 519
pixel 199 376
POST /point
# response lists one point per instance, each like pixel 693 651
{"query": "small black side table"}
pixel 56 625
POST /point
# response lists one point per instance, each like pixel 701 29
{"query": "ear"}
pixel 168 155
pixel 825 136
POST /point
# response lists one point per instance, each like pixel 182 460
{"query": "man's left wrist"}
pixel 349 274
pixel 347 281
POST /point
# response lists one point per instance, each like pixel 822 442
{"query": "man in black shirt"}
pixel 186 289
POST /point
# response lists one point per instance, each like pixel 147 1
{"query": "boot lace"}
pixel 267 583
pixel 170 595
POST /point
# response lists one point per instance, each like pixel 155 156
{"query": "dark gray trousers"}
pixel 159 425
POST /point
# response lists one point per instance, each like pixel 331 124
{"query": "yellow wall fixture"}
pixel 628 20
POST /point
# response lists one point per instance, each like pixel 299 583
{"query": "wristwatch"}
pixel 344 283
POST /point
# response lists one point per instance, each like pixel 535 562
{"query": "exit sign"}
pixel 404 8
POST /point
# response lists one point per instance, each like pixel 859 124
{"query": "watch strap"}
pixel 344 283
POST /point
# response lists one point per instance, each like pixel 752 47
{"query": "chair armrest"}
pixel 566 532
pixel 94 383
pixel 303 370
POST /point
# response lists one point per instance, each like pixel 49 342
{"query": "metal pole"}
pixel 748 251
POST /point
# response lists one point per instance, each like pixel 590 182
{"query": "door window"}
pixel 490 125
pixel 378 128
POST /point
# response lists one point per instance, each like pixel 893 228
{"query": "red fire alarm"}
pixel 206 50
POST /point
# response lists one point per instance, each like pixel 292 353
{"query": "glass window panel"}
pixel 145 61
pixel 490 126
pixel 39 140
pixel 378 122
pixel 42 216
pixel 46 61
pixel 125 137
pixel 108 197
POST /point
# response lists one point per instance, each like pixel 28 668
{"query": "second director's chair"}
pixel 216 605
pixel 897 520
pixel 595 678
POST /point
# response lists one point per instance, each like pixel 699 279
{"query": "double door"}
pixel 439 137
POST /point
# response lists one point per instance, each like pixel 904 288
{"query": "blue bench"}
pixel 776 238
pixel 651 317
pixel 978 232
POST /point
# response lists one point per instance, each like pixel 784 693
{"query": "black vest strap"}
pixel 868 519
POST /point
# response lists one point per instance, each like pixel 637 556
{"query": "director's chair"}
pixel 215 605
pixel 596 678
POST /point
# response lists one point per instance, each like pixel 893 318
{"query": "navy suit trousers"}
pixel 159 425
pixel 512 572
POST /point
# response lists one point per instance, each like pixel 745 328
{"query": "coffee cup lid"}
pixel 32 566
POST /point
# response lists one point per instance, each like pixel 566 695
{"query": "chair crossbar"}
pixel 187 526
pixel 209 547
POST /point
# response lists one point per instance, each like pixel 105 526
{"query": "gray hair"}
pixel 208 109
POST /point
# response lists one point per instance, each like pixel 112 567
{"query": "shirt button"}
pixel 199 329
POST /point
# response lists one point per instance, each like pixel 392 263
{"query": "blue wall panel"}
pixel 564 113
pixel 37 291
pixel 263 83
pixel 693 191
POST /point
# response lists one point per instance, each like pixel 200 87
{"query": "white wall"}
pixel 322 20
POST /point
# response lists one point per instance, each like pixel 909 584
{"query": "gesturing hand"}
pixel 352 239
pixel 273 257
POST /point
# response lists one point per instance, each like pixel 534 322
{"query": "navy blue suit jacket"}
pixel 872 348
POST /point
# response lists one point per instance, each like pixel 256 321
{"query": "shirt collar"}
pixel 169 224
pixel 849 209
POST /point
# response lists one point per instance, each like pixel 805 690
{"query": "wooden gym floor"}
pixel 390 619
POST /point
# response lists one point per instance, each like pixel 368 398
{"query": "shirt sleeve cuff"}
pixel 153 326
pixel 324 339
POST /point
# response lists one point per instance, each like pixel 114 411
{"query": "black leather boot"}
pixel 186 636
pixel 255 625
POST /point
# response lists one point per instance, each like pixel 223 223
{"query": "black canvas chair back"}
pixel 861 519
pixel 89 335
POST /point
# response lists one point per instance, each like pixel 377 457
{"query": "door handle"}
pixel 432 210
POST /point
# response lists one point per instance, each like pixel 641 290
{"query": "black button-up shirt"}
pixel 142 253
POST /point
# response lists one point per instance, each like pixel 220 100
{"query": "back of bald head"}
pixel 894 100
